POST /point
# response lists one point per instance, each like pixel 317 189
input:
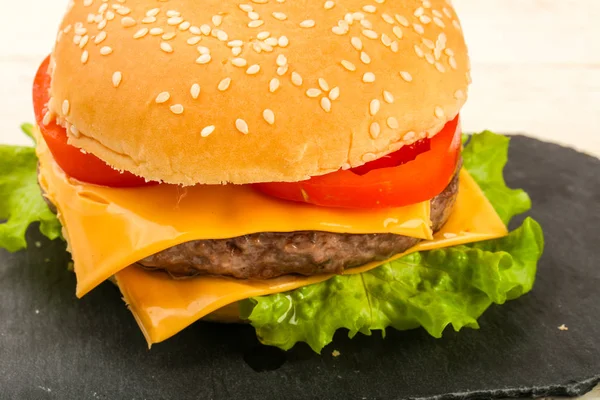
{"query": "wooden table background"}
pixel 536 67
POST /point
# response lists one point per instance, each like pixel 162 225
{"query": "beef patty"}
pixel 271 254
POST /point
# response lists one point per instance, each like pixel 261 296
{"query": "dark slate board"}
pixel 53 346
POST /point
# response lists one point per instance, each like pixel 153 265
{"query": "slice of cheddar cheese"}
pixel 109 229
pixel 163 306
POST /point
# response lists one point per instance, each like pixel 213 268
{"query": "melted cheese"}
pixel 109 229
pixel 163 306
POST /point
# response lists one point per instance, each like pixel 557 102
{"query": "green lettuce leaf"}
pixel 21 201
pixel 432 289
pixel 485 156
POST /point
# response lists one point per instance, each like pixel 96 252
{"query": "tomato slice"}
pixel 413 174
pixel 77 164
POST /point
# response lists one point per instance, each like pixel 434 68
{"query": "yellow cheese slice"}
pixel 109 229
pixel 163 306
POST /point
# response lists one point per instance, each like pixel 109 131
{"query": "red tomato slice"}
pixel 413 174
pixel 82 166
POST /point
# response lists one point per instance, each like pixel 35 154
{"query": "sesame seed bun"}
pixel 207 91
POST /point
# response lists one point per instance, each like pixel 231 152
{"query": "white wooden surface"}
pixel 536 67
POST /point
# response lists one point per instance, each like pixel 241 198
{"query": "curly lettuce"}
pixel 21 201
pixel 431 289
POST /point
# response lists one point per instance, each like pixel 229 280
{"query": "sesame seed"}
pixel 106 50
pixel 281 60
pixel 375 130
pixel 326 104
pixel 439 22
pixel 329 5
pixel 206 131
pixel 166 47
pixel 452 62
pixel 74 130
pixel 425 19
pixel 429 58
pixel 66 107
pixel 184 26
pixel 334 93
pixel 123 11
pixel 174 21
pixel 148 20
pixel 253 15
pixel 117 78
pixel 409 136
pixel 269 116
pixel 406 76
pixel 397 31
pixel 194 40
pixel 440 67
pixel 80 31
pixel 459 95
pixel 245 7
pixel 222 36
pixel 296 79
pixel 241 126
pixel 239 62
pixel 253 69
pixel 217 20
pixel 447 12
pixel 368 77
pixel 263 35
pixel 173 13
pixel 272 41
pixel 100 37
pixel 369 8
pixel 388 97
pixel 374 107
pixel 420 11
pixel 313 92
pixel 195 30
pixel 349 18
pixel 370 34
pixel 84 57
pixel 195 91
pixel 456 24
pixel 102 24
pixel 169 35
pixel 428 43
pixel 176 109
pixel 323 84
pixel 205 29
pixel 283 41
pixel 348 65
pixel 369 157
pixel 203 59
pixel 366 24
pixel 364 57
pixel 236 51
pixel 307 23
pixel 255 24
pixel 387 18
pixel 141 33
pixel 282 70
pixel 203 50
pixel 152 13
pixel 385 39
pixel 439 112
pixel 235 43
pixel 392 123
pixel 419 29
pixel 273 85
pixel 339 30
pixel 162 97
pixel 156 31
pixel 224 84
pixel 128 22
pixel 419 51
pixel 437 13
pixel 279 16
pixel 402 20
pixel 356 43
pixel 394 46
pixel 87 3
pixel 84 41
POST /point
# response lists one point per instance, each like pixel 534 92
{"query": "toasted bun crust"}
pixel 135 79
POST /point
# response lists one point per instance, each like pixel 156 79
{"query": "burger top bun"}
pixel 213 91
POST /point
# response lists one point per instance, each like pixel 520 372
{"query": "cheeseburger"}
pixel 295 165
